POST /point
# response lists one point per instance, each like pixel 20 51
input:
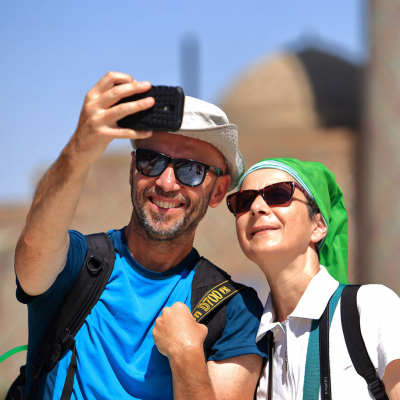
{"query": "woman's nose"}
pixel 259 206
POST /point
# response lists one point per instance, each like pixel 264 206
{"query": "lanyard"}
pixel 270 353
pixel 317 362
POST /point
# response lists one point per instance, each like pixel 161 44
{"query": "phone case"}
pixel 166 114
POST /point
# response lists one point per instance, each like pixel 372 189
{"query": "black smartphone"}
pixel 166 114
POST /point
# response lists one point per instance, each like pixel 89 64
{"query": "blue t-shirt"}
pixel 116 354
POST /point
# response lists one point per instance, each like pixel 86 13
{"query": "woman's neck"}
pixel 289 282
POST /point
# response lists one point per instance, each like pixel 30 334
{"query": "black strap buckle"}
pixel 68 340
pixel 37 367
pixel 375 385
pixel 377 389
pixel 94 264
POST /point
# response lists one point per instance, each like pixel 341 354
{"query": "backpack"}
pixel 355 342
pixel 211 289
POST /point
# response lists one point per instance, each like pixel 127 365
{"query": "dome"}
pixel 302 90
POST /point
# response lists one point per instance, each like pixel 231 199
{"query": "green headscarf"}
pixel 321 185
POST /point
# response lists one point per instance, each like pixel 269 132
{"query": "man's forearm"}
pixel 42 247
pixel 190 377
pixel 55 202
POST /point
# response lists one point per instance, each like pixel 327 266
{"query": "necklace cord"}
pixel 12 352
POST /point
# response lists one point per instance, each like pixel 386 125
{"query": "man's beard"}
pixel 152 223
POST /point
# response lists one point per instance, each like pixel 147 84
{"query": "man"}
pixel 155 263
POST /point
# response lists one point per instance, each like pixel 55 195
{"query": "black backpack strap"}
pixel 14 392
pixel 211 289
pixel 355 342
pixel 74 309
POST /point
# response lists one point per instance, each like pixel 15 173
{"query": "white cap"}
pixel 207 122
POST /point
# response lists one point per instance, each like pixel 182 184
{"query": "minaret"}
pixel 190 65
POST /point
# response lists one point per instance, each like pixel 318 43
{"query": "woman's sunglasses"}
pixel 187 172
pixel 277 194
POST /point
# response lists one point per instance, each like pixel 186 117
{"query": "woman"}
pixel 292 222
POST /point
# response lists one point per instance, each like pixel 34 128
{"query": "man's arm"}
pixel 235 378
pixel 43 245
pixel 391 380
pixel 180 338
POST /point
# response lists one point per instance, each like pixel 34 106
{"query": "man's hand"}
pixel 97 125
pixel 176 333
pixel 180 338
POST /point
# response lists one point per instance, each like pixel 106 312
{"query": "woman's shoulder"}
pixel 378 303
pixel 379 309
pixel 376 293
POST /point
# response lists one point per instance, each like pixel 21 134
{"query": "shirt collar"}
pixel 321 287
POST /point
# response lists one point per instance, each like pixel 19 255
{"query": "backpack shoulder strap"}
pixel 76 306
pixel 355 342
pixel 211 289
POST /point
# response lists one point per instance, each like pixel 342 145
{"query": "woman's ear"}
pixel 320 229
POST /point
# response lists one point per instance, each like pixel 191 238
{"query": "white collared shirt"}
pixel 379 309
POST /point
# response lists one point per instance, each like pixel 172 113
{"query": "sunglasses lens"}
pixel 273 195
pixel 241 201
pixel 278 194
pixel 150 163
pixel 190 173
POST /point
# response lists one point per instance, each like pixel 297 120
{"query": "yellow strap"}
pixel 213 298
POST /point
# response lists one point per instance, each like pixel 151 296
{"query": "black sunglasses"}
pixel 276 194
pixel 187 172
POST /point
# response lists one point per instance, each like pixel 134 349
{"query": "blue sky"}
pixel 53 52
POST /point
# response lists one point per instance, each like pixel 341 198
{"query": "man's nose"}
pixel 167 180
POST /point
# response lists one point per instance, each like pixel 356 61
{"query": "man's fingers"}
pixel 108 81
pixel 97 124
pixel 123 133
pixel 114 114
pixel 118 92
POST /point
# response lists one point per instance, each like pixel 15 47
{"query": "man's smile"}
pixel 165 204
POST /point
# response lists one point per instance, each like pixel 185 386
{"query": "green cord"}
pixel 12 352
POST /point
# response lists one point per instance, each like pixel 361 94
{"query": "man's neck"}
pixel 156 255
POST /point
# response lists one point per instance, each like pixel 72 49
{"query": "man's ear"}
pixel 320 229
pixel 220 190
pixel 132 168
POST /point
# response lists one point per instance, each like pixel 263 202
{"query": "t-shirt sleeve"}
pixel 242 319
pixel 379 309
pixel 75 257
